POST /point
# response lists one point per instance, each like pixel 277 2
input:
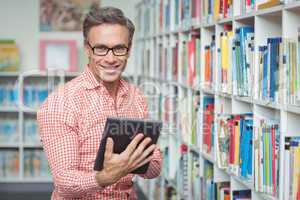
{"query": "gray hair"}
pixel 106 15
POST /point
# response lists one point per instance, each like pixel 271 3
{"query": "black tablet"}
pixel 122 131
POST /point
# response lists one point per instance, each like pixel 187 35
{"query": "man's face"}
pixel 109 67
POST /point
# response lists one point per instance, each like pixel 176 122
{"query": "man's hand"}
pixel 116 166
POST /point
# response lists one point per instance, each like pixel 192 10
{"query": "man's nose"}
pixel 110 57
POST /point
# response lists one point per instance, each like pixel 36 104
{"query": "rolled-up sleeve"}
pixel 155 165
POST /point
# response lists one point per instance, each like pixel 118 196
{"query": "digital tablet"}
pixel 122 131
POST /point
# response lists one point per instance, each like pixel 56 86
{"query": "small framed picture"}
pixel 58 54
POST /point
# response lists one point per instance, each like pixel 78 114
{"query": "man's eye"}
pixel 101 49
pixel 120 49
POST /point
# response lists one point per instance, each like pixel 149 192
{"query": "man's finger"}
pixel 140 149
pixel 133 144
pixel 145 154
pixel 148 159
pixel 109 148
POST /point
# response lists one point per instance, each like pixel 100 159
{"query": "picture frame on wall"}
pixel 64 15
pixel 58 55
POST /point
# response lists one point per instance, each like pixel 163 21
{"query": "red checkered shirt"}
pixel 71 122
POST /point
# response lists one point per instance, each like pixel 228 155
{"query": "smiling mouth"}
pixel 110 69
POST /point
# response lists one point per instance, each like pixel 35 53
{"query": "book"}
pixel 9 163
pixel 9 55
pixel 270 65
pixel 241 194
pixel 208 185
pixel 268 4
pixel 35 164
pixel 291 166
pixel 208 124
pixel 266 153
pixel 9 130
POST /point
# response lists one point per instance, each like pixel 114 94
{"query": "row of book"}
pixel 195 182
pixel 212 190
pixel 236 61
pixel 9 55
pixel 9 163
pixel 187 126
pixel 208 186
pixel 291 168
pixel 157 16
pixel 266 156
pixel 214 10
pixel 291 63
pixel 35 164
pixel 277 68
pixel 183 171
pixel 241 147
pixel 9 95
pixel 269 70
pixel 9 130
pixel 234 144
pixel 35 95
pixel 31 135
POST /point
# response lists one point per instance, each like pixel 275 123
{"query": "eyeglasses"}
pixel 102 50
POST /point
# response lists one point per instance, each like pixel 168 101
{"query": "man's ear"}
pixel 87 51
pixel 129 52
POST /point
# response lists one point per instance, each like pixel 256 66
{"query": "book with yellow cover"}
pixel 268 4
pixel 9 56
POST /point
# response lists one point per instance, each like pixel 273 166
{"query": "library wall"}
pixel 20 21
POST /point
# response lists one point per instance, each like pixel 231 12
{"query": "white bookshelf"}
pixel 279 21
pixel 21 113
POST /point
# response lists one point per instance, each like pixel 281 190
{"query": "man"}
pixel 72 119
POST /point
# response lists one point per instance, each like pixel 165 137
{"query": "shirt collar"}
pixel 90 82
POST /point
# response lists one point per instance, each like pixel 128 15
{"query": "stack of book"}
pixel 35 164
pixel 241 195
pixel 208 124
pixel 214 10
pixel 9 130
pixel 31 135
pixel 183 171
pixel 208 185
pixel 9 163
pixel 9 95
pixel 291 168
pixel 209 63
pixel 243 61
pixel 291 62
pixel 269 68
pixel 266 156
pixel 9 56
pixel 35 95
pixel 222 191
pixel 234 144
pixel 225 60
pixel 194 163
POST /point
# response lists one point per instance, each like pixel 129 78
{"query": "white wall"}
pixel 19 20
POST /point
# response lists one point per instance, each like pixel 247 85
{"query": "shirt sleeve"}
pixel 155 165
pixel 59 135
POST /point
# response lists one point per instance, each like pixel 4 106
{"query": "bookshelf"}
pixel 243 60
pixel 22 159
